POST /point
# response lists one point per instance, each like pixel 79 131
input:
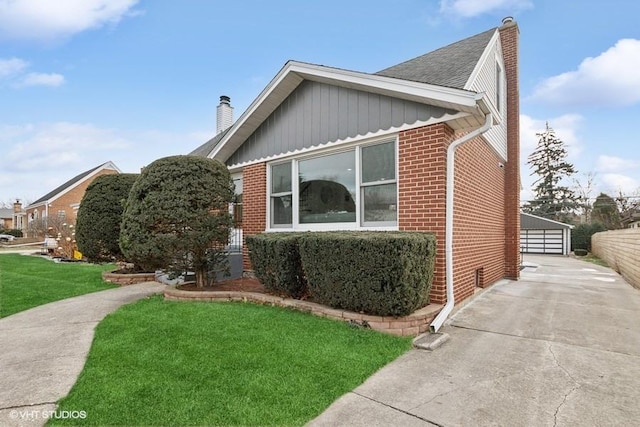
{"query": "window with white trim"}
pixel 346 189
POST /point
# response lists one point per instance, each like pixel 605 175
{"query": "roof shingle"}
pixel 449 66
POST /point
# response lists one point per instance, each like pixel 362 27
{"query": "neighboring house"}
pixel 325 148
pixel 6 219
pixel 62 203
pixel 631 219
pixel 544 236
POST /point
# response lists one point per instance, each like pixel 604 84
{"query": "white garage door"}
pixel 541 241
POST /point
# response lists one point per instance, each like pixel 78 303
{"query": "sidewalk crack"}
pixel 576 386
pixel 398 409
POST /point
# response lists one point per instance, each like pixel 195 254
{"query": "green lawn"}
pixel 29 281
pixel 158 362
pixel 594 260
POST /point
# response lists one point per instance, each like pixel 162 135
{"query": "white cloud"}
pixel 40 156
pixel 471 8
pixel 12 66
pixel 610 79
pixel 14 70
pixel 41 79
pixel 52 20
pixel 615 164
pixel 614 183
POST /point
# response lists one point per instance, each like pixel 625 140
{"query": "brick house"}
pixel 431 144
pixel 62 203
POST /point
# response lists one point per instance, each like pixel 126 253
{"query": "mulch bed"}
pixel 244 284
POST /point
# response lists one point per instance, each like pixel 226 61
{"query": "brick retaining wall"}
pixel 128 279
pixel 621 250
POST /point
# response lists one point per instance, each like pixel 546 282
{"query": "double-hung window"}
pixel 352 188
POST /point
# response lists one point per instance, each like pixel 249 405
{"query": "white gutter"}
pixel 444 313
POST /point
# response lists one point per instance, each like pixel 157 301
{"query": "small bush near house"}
pixel 100 215
pixel 580 252
pixel 581 235
pixel 378 273
pixel 12 232
pixel 275 258
pixel 177 217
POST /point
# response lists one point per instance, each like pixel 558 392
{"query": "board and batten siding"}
pixel 317 113
pixel 486 81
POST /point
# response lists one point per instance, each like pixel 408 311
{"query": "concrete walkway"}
pixel 560 347
pixel 43 350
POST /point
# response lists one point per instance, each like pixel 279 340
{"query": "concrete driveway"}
pixel 560 347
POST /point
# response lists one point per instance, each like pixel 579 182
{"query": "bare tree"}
pixel 584 189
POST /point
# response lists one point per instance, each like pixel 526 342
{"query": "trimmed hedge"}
pixel 276 263
pixel 13 232
pixel 377 273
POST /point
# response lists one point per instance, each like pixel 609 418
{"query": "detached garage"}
pixel 544 236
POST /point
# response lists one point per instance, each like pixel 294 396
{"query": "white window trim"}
pixel 334 226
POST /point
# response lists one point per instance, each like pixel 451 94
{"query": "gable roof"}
pixel 6 213
pixel 437 78
pixel 205 149
pixel 534 222
pixel 449 66
pixel 76 179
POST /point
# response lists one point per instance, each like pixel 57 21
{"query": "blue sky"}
pixel 87 81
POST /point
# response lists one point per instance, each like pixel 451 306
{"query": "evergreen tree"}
pixel 177 217
pixel 100 215
pixel 549 161
pixel 605 211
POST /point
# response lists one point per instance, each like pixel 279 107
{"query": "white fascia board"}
pixel 397 88
pixel 293 73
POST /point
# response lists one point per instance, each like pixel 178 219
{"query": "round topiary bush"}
pixel 100 215
pixel 177 217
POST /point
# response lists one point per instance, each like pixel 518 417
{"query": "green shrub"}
pixel 12 232
pixel 276 262
pixel 177 217
pixel 580 252
pixel 377 273
pixel 100 215
pixel 581 235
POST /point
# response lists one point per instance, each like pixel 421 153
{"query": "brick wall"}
pixel 621 250
pixel 75 196
pixel 422 156
pixel 479 218
pixel 509 34
pixel 254 202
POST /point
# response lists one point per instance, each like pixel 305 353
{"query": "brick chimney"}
pixel 224 114
pixel 509 34
pixel 17 207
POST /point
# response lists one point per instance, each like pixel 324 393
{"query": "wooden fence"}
pixel 621 250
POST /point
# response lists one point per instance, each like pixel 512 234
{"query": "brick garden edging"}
pixel 128 279
pixel 411 325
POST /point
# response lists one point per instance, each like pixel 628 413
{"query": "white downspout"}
pixel 444 313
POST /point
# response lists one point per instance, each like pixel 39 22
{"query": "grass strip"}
pixel 159 362
pixel 30 281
